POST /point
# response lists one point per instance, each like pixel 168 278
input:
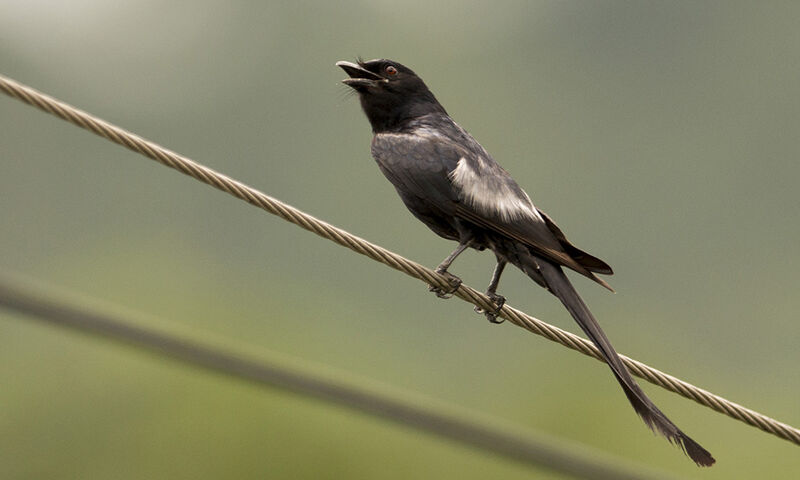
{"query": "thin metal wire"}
pixel 448 421
pixel 276 207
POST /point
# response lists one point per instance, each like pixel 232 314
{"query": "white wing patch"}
pixel 428 132
pixel 496 198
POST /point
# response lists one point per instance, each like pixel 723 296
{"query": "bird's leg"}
pixel 491 292
pixel 454 281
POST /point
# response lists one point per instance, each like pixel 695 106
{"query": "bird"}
pixel 448 181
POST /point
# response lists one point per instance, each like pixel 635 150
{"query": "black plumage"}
pixel 451 184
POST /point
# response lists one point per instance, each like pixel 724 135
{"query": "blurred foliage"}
pixel 662 136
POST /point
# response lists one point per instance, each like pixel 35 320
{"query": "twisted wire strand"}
pixel 287 212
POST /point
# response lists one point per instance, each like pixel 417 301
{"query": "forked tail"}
pixel 560 286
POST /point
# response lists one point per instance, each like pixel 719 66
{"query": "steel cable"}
pixel 287 212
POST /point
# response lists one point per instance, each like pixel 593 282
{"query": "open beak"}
pixel 359 76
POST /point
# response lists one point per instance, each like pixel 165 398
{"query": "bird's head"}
pixel 390 93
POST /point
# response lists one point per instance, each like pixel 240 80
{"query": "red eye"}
pixel 390 70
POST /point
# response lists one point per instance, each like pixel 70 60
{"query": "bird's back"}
pixel 448 180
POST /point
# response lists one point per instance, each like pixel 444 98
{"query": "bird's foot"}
pixel 492 315
pixel 454 282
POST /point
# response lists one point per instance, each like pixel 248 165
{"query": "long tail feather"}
pixel 558 283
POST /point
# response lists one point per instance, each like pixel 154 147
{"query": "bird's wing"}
pixel 470 185
pixel 592 263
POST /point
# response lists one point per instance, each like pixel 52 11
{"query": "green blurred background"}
pixel 661 136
